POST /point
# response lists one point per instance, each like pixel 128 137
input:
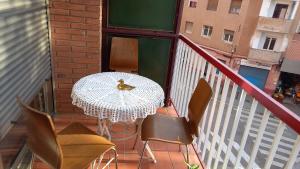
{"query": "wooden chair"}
pixel 124 55
pixel 75 147
pixel 178 130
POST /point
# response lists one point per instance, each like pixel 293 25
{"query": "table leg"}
pixel 103 128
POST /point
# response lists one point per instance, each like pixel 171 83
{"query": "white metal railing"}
pixel 240 129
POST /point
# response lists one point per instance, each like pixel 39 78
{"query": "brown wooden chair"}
pixel 75 147
pixel 178 130
pixel 124 55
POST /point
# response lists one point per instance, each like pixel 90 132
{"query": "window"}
pixel 188 27
pixel 269 43
pixel 207 30
pixel 228 36
pixel 192 3
pixel 235 6
pixel 212 5
pixel 280 11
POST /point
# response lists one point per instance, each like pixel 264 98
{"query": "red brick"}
pixel 85 60
pixel 62 59
pixel 85 26
pixel 78 49
pixel 93 33
pixel 64 54
pixel 62 48
pixel 92 21
pixel 63 70
pixel 85 14
pixel 68 18
pixel 92 39
pixel 78 54
pixel 79 37
pixel 93 50
pixel 59 11
pixel 61 36
pixel 57 24
pixel 93 44
pixel 79 70
pixel 65 86
pixel 71 65
pixel 67 5
pixel 70 31
pixel 78 43
pixel 62 43
pixel 86 2
pixel 93 8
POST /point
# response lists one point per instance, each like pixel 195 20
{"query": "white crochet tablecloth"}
pixel 98 96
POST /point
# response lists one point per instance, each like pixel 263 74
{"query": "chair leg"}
pixel 140 162
pixel 137 136
pixel 187 155
pixel 31 161
pixel 116 158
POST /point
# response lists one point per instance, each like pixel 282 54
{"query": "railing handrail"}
pixel 280 111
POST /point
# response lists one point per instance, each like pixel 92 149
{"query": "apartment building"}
pixel 249 36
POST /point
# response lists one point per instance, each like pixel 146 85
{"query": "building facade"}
pixel 249 36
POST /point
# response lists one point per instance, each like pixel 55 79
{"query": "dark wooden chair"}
pixel 75 147
pixel 178 130
pixel 124 55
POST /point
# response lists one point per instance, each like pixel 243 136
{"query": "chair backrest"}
pixel 198 104
pixel 41 136
pixel 124 54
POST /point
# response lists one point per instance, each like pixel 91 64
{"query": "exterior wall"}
pixel 243 24
pixel 75 42
pixel 272 80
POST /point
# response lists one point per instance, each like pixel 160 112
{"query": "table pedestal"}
pixel 105 129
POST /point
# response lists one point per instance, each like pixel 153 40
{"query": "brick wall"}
pixel 75 38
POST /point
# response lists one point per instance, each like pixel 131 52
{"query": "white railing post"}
pixel 226 118
pixel 234 128
pixel 246 133
pixel 218 121
pixel 294 154
pixel 275 144
pixel 259 137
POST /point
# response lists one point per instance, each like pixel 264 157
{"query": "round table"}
pixel 99 96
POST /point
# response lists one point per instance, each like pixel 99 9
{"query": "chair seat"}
pixel 80 146
pixel 76 128
pixel 167 129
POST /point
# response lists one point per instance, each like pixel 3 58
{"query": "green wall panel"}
pixel 153 59
pixel 144 14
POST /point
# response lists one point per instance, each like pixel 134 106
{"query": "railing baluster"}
pixel 259 137
pixel 176 71
pixel 211 114
pixel 182 84
pixel 275 144
pixel 203 68
pixel 234 128
pixel 188 82
pixel 294 154
pixel 246 133
pixel 178 74
pixel 218 119
pixel 185 89
pixel 226 122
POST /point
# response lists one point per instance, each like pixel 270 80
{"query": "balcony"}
pixel 242 127
pixel 274 24
pixel 264 56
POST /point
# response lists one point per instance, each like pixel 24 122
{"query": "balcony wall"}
pixel 265 56
pixel 75 40
pixel 274 24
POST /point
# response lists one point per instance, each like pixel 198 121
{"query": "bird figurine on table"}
pixel 123 86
